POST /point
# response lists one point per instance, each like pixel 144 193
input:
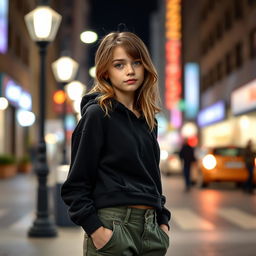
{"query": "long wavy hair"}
pixel 147 98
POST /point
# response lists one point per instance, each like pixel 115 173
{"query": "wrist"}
pixel 164 227
pixel 97 231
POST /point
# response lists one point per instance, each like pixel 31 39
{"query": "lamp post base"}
pixel 42 228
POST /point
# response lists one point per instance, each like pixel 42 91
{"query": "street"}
pixel 217 221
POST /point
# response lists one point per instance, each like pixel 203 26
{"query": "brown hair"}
pixel 147 96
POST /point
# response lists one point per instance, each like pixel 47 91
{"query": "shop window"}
pixel 215 74
pixel 211 4
pixel 204 47
pixel 251 2
pixel 19 5
pixel 219 30
pixel 238 9
pixel 205 82
pixel 219 71
pixel 211 40
pixel 69 20
pixel 17 47
pixel 238 55
pixel 26 9
pixel 253 43
pixel 69 3
pixel 10 41
pixel 202 16
pixel 228 20
pixel 228 63
pixel 25 55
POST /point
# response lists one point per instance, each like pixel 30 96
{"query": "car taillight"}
pixel 209 162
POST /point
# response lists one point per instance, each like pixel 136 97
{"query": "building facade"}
pixel 223 43
pixel 19 69
pixel 19 66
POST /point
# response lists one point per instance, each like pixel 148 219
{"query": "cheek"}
pixel 142 73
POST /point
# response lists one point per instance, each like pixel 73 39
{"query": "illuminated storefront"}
pixel 243 109
pixel 16 116
pixel 235 126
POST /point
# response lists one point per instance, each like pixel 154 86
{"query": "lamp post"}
pixel 64 70
pixel 42 24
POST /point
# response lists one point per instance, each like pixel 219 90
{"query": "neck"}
pixel 126 99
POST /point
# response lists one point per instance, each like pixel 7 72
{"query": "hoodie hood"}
pixel 88 100
pixel 92 98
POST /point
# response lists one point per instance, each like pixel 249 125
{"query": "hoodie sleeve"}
pixel 77 190
pixel 164 215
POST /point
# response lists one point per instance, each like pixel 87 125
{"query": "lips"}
pixel 131 81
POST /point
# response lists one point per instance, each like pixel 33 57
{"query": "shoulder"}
pixel 93 115
pixel 94 110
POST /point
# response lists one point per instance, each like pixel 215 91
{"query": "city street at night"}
pixel 97 98
pixel 217 221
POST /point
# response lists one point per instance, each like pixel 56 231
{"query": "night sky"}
pixel 109 15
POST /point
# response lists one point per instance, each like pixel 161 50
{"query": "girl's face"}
pixel 125 73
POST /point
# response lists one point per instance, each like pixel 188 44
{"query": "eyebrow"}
pixel 118 60
pixel 122 60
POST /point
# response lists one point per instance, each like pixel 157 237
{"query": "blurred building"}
pixel 220 36
pixel 19 67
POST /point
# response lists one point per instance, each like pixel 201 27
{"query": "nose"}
pixel 130 69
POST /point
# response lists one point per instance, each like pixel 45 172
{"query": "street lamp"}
pixel 42 24
pixel 75 91
pixel 64 70
pixel 88 37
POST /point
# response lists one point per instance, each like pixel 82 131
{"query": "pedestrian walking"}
pixel 114 189
pixel 249 158
pixel 187 157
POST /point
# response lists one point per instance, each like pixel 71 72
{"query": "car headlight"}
pixel 209 162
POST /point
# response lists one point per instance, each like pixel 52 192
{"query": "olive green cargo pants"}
pixel 135 233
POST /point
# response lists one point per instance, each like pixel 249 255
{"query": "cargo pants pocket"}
pixel 165 237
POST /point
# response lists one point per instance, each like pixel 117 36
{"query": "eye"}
pixel 137 63
pixel 119 65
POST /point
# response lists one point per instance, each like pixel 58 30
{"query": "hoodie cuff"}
pixel 163 219
pixel 91 224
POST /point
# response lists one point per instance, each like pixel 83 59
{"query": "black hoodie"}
pixel 114 162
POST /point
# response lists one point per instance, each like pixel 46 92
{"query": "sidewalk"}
pixel 17 210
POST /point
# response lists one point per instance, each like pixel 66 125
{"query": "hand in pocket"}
pixel 101 236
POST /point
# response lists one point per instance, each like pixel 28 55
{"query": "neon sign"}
pixel 3 26
pixel 191 88
pixel 212 114
pixel 173 70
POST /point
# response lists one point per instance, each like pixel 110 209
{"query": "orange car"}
pixel 223 164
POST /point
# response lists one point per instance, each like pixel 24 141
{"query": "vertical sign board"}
pixel 191 88
pixel 3 26
pixel 173 70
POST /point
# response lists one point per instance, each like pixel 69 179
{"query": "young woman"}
pixel 113 189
